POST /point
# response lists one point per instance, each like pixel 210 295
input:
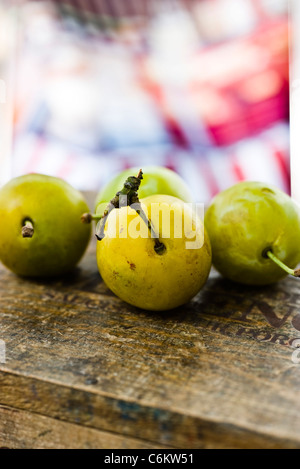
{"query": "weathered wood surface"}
pixel 217 373
pixel 20 429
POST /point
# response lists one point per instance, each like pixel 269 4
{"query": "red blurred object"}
pixel 237 88
pixel 95 96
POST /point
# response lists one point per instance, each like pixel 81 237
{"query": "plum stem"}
pixel 87 218
pixel 27 229
pixel 129 193
pixel 294 273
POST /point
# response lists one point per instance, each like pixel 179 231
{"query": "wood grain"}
pixel 217 373
pixel 26 430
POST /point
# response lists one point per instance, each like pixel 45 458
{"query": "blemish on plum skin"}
pixel 132 266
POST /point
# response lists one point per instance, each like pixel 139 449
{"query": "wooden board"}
pixel 26 430
pixel 222 372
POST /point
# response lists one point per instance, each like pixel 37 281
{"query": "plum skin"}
pixel 246 220
pixel 132 269
pixel 55 208
pixel 156 180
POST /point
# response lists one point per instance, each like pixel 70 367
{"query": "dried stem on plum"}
pixel 27 229
pixel 129 195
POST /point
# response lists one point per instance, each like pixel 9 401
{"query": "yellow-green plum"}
pixel 41 231
pixel 254 231
pixel 157 180
pixel 140 272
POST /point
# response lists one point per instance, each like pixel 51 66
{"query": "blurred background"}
pixel 91 87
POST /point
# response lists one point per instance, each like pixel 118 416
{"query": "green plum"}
pixel 254 231
pixel 157 180
pixel 41 230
